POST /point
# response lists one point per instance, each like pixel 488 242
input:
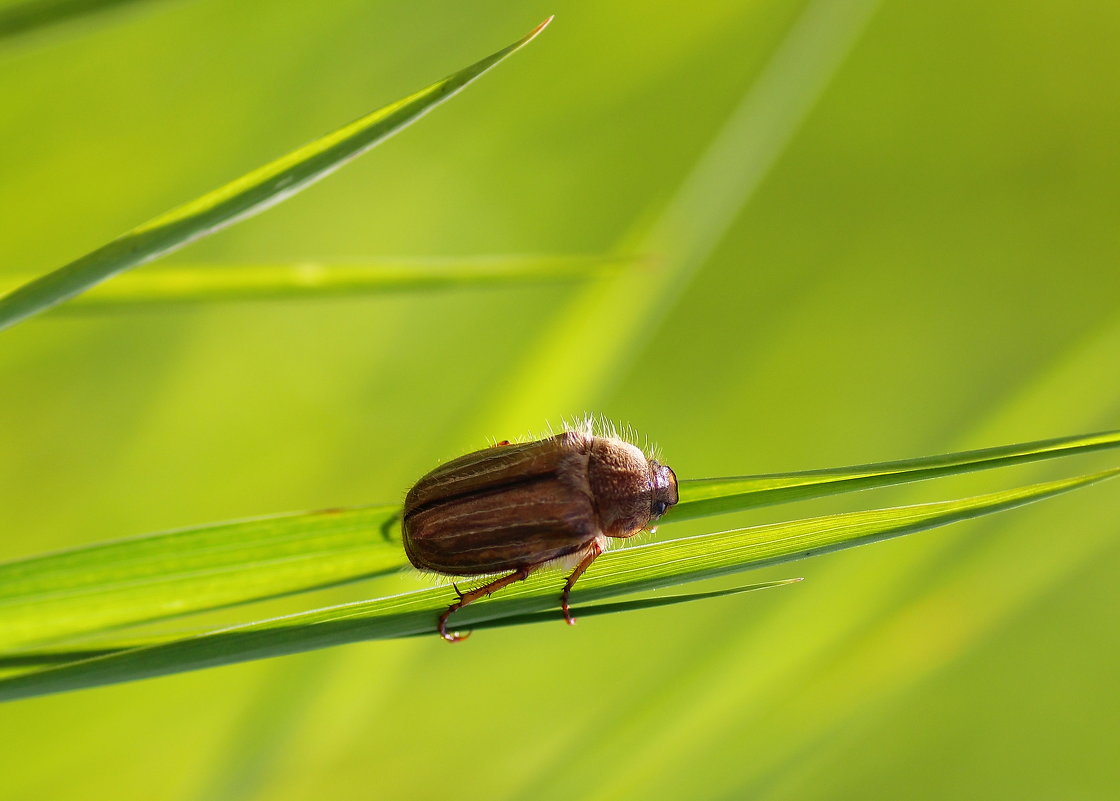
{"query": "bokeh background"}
pixel 897 235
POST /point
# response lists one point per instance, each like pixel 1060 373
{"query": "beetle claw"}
pixel 454 636
pixel 571 621
pixel 450 636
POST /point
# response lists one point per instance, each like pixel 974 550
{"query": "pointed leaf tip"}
pixel 533 33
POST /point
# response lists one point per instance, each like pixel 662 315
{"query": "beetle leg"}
pixel 470 596
pixel 594 550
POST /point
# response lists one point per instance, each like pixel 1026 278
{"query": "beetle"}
pixel 518 507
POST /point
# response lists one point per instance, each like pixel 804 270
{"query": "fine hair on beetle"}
pixel 517 507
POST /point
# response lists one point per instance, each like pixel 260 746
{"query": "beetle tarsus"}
pixel 571 621
pixel 449 635
pixel 470 596
pixel 594 550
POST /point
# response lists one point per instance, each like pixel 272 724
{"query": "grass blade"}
pixel 86 590
pixel 627 571
pixel 684 233
pixel 169 574
pixel 710 496
pixel 43 658
pixel 27 16
pixel 249 194
pixel 195 283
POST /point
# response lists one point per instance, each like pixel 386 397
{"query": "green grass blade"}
pixel 86 590
pixel 39 659
pixel 241 198
pixel 194 283
pixel 26 659
pixel 711 496
pixel 169 574
pixel 638 604
pixel 622 572
pixel 27 16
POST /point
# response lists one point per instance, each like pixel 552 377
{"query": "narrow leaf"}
pixel 683 233
pixel 24 659
pixel 711 496
pixel 622 572
pixel 193 283
pixel 85 590
pixel 25 16
pixel 241 198
pixel 135 580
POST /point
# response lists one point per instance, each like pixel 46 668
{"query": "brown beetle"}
pixel 518 507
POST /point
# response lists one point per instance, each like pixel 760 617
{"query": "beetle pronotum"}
pixel 518 507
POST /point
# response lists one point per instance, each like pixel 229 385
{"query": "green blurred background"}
pixel 926 262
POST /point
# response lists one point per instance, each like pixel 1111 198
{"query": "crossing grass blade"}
pixel 248 195
pixel 59 596
pixel 630 570
pixel 60 656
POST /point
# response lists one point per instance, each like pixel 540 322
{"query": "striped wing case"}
pixel 502 508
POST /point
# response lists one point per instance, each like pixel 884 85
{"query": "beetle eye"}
pixel 658 508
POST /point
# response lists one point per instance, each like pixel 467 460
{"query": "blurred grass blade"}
pixel 147 578
pixel 193 283
pixel 63 656
pixel 241 198
pixel 685 232
pixel 38 659
pixel 630 570
pixel 86 590
pixel 711 496
pixel 27 16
